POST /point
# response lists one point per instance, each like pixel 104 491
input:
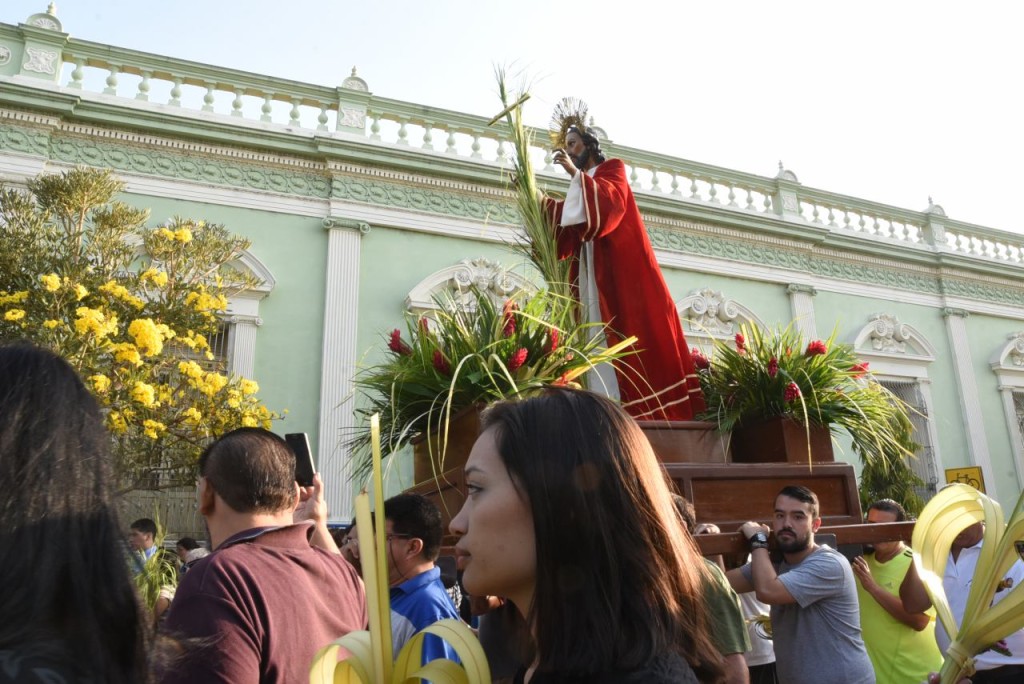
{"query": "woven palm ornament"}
pixel 569 112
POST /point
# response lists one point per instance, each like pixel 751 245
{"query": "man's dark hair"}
pixel 146 526
pixel 188 543
pixel 801 493
pixel 415 516
pixel 686 512
pixel 252 470
pixel 590 141
pixel 890 506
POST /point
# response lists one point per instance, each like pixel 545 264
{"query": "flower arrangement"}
pixel 819 383
pixel 471 352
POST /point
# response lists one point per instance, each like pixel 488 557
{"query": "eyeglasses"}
pixel 389 537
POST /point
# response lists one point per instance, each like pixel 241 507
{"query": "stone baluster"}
pixel 832 217
pixel 267 107
pixel 78 74
pixel 143 93
pixel 175 100
pixel 750 200
pixel 655 187
pixel 475 147
pixel 450 143
pixel 732 196
pixel 208 98
pixel 713 191
pixel 548 158
pixel 634 177
pixel 403 134
pixel 428 136
pixel 111 81
pixel 501 155
pixel 321 119
pixel 694 188
pixel 236 104
pixel 674 185
pixel 375 126
pixel 294 113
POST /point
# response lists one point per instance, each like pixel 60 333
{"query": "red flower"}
pixel 773 367
pixel 700 362
pixel 441 363
pixel 859 369
pixel 508 318
pixel 517 359
pixel 741 343
pixel 396 344
pixel 424 325
pixel 562 380
pixel 553 337
pixel 792 392
pixel 815 348
pixel 789 351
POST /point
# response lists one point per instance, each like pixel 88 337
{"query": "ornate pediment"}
pixel 1010 356
pixel 710 313
pixel 456 281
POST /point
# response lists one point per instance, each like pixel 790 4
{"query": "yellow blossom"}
pixel 147 335
pixel 119 291
pixel 95 321
pixel 165 233
pixel 80 292
pixel 183 235
pixel 117 422
pixel 249 421
pixel 13 297
pixel 14 315
pixel 164 394
pixel 157 277
pixel 211 383
pixel 126 352
pixel 234 398
pixel 153 428
pixel 51 282
pixel 144 394
pixel 100 383
pixel 192 415
pixel 248 386
pixel 191 369
pixel 50 324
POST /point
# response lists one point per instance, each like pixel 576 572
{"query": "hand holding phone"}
pixel 304 467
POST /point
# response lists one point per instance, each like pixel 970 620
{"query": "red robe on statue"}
pixel 659 381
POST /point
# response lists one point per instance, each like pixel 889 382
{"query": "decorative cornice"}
pixel 34 141
pixel 338 223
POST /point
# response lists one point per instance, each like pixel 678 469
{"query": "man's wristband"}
pixel 758 540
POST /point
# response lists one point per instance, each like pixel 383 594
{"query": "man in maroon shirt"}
pixel 274 591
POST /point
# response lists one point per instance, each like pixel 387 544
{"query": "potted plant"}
pixel 771 387
pixel 463 355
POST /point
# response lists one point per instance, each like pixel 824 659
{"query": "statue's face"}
pixel 576 150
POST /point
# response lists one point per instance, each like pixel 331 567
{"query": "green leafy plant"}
pixel 891 477
pixel 470 352
pixel 158 571
pixel 764 375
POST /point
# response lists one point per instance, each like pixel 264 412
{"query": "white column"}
pixel 243 345
pixel 970 406
pixel 339 361
pixel 801 302
pixel 1016 439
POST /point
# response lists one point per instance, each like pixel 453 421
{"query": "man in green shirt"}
pixel 901 644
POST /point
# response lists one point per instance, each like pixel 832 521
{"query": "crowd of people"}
pixel 577 560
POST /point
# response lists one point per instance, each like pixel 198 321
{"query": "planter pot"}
pixel 781 440
pixel 432 458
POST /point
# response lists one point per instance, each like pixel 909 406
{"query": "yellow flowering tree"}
pixel 133 309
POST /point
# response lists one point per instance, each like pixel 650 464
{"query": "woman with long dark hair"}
pixel 68 610
pixel 570 518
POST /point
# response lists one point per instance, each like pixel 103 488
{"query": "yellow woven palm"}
pixel 369 659
pixel 950 512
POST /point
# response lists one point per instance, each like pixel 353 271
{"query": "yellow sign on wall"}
pixel 969 475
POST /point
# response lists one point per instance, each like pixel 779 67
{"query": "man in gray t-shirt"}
pixel 813 596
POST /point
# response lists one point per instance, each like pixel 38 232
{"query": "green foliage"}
pixel 132 309
pixel 158 571
pixel 891 476
pixel 774 374
pixel 471 352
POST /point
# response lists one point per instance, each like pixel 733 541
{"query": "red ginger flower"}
pixel 508 318
pixel 859 369
pixel 741 343
pixel 396 344
pixel 700 362
pixel 553 336
pixel 773 367
pixel 792 392
pixel 441 363
pixel 815 348
pixel 424 325
pixel 517 359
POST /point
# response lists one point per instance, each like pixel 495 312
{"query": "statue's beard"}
pixel 581 160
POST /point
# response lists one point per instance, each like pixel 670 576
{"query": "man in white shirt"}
pixel 993 667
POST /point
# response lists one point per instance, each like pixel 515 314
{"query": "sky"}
pixel 886 101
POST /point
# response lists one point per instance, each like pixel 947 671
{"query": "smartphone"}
pixel 304 468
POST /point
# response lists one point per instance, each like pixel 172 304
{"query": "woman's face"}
pixel 497 550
